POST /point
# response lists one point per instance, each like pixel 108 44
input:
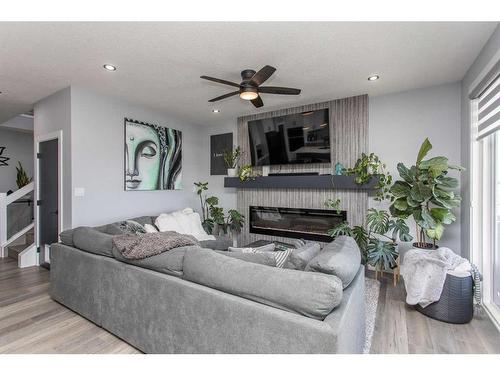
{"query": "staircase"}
pixel 17 247
pixel 16 234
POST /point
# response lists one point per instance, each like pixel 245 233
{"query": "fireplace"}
pixel 306 223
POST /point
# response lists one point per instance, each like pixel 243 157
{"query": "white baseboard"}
pixel 493 312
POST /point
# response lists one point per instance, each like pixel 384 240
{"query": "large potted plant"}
pixel 425 192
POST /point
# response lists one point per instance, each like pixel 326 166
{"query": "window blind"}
pixel 488 120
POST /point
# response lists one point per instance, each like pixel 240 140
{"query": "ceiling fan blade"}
pixel 224 82
pixel 223 96
pixel 257 102
pixel 279 90
pixel 262 75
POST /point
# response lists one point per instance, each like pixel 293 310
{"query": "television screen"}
pixel 302 138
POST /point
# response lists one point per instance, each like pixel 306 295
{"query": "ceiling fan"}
pixel 250 86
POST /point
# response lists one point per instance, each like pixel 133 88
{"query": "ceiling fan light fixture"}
pixel 249 95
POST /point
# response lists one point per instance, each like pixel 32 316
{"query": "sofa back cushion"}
pixel 311 294
pixel 341 258
pixel 93 241
pixel 301 256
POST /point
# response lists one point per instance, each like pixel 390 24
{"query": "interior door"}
pixel 496 218
pixel 48 197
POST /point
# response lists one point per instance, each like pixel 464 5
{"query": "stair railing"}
pixel 5 201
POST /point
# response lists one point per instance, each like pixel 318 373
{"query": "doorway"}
pixel 48 193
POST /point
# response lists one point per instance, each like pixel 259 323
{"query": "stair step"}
pixel 14 250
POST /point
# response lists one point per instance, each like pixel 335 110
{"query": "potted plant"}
pixel 368 166
pixel 231 158
pixel 378 241
pixel 22 178
pixel 213 219
pixel 425 192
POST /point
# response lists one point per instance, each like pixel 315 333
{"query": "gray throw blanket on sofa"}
pixel 146 245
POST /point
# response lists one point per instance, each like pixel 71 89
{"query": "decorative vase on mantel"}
pixel 232 172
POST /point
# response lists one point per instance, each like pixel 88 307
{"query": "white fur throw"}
pixel 424 273
pixel 185 221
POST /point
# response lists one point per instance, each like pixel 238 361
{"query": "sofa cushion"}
pixel 341 258
pixel 311 294
pixel 265 258
pixel 67 237
pixel 219 243
pixel 302 255
pixel 170 262
pixel 93 241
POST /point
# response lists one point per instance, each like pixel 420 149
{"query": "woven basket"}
pixel 455 304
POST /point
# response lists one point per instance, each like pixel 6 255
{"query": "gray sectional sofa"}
pixel 196 300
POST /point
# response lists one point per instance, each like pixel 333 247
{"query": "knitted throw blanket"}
pixel 424 273
pixel 146 245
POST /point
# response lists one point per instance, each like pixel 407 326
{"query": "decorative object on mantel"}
pixel 378 241
pixel 231 158
pixel 339 169
pixel 368 166
pixel 246 173
pixel 22 178
pixel 213 219
pixel 426 193
pixel 218 144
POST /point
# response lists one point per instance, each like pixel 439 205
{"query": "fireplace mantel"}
pixel 301 182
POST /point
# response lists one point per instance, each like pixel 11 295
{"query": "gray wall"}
pixel 98 159
pixel 490 50
pixel 52 114
pixel 19 147
pixel 400 122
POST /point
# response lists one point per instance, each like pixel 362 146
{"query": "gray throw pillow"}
pixel 341 258
pixel 131 227
pixel 301 256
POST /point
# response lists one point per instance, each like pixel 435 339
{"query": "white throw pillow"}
pixel 185 221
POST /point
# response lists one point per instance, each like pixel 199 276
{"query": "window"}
pixel 485 187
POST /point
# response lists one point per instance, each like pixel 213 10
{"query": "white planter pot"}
pixel 232 172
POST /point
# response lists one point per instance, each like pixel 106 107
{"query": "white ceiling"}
pixel 159 64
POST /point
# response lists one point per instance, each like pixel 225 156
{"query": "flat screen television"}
pixel 302 138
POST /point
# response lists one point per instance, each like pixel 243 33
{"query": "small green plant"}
pixel 425 192
pixel 246 173
pixel 368 166
pixel 378 241
pixel 213 216
pixel 231 157
pixel 22 178
pixel 334 203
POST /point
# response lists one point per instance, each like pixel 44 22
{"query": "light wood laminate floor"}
pixel 30 322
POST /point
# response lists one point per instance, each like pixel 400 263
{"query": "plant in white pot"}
pixel 231 158
pixel 426 193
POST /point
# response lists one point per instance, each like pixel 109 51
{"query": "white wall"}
pixel 98 161
pixel 400 122
pixel 19 148
pixel 490 51
pixel 52 114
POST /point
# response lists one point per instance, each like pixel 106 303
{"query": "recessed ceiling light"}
pixel 216 110
pixel 109 67
pixel 373 77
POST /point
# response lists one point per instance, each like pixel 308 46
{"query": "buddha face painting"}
pixel 153 157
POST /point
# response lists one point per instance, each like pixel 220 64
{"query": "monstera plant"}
pixel 378 240
pixel 426 193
